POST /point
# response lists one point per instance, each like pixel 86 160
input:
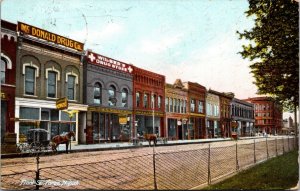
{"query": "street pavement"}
pixel 129 166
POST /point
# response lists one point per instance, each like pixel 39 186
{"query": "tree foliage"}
pixel 273 49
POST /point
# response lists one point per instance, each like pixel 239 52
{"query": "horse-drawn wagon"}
pixel 36 140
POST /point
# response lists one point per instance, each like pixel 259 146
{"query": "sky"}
pixel 194 40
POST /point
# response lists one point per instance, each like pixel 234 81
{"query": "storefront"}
pixel 109 125
pixel 48 69
pixel 176 111
pixel 43 114
pixel 108 93
pixel 148 103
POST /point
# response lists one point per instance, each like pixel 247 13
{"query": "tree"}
pixel 273 50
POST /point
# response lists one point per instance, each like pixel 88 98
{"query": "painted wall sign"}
pixel 51 37
pixel 108 62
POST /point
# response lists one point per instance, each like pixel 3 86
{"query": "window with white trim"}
pixel 2 70
pixel 97 93
pixel 30 80
pixel 124 97
pixel 71 87
pixel 51 84
pixel 112 96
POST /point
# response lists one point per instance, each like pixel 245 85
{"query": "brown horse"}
pixel 59 139
pixel 151 137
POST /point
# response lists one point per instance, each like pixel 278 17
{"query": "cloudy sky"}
pixel 194 40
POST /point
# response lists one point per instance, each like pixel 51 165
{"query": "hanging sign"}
pixel 51 37
pixel 62 103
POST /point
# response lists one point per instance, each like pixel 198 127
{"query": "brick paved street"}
pixel 177 167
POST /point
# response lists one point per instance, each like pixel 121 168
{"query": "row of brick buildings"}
pixel 114 100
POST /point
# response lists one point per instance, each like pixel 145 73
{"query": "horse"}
pixel 151 137
pixel 61 139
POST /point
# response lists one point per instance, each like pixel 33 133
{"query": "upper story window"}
pixel 2 70
pixel 146 100
pixel 124 97
pixel 167 104
pixel 184 106
pixel 112 96
pixel 159 102
pixel 152 101
pixel 30 80
pixel 97 93
pixel 137 96
pixel 200 107
pixel 51 84
pixel 71 87
pixel 171 104
pixel 192 105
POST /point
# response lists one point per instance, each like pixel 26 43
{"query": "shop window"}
pixel 45 114
pixel 29 113
pixel 97 93
pixel 71 87
pixel 137 96
pixel 29 80
pixel 112 96
pixel 2 70
pixel 124 98
pixel 52 82
pixel 64 116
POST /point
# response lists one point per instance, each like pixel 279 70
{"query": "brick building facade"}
pixel 148 102
pixel 268 115
pixel 8 76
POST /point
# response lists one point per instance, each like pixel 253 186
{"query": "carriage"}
pixel 37 140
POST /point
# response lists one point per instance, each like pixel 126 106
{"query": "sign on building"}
pixel 50 37
pixel 62 103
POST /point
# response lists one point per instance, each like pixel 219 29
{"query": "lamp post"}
pixel 152 101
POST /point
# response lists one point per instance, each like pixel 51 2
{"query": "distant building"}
pixel 196 110
pixel 176 111
pixel 225 109
pixel 268 115
pixel 242 114
pixel 288 126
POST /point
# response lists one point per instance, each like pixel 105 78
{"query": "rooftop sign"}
pixel 51 37
pixel 100 60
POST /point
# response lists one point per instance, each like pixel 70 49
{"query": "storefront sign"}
pixel 3 95
pixel 62 103
pixel 51 37
pixel 122 120
pixel 108 62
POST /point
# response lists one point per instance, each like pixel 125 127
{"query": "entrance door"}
pixel 180 137
pixel 3 119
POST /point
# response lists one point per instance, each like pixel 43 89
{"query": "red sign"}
pixel 108 62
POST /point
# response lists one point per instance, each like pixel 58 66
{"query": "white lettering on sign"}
pixel 108 62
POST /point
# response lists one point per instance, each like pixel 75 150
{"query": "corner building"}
pixel 268 115
pixel 8 77
pixel 148 102
pixel 108 93
pixel 45 72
